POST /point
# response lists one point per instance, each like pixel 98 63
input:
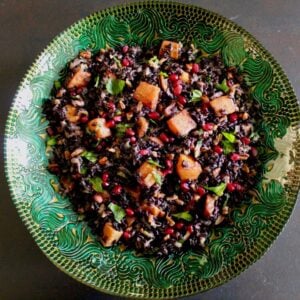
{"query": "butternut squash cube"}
pixel 171 47
pixel 181 123
pixel 147 174
pixel 188 168
pixel 209 206
pixel 148 94
pixel 223 105
pixel 185 77
pixel 80 78
pixel 98 127
pixel 110 235
pixel 71 113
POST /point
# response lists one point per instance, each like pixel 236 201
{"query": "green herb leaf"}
pixel 218 190
pixel 196 96
pixel 57 84
pixel 208 79
pixel 157 178
pixel 228 147
pixel 164 74
pixel 83 170
pixel 229 136
pixel 97 80
pixel 153 61
pixel 51 141
pixel 223 86
pixel 118 212
pixel 121 129
pixel 115 86
pixel 185 215
pixel 96 184
pixel 154 163
pixel 117 62
pixel 91 156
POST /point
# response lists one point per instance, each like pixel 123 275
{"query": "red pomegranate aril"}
pixel 245 140
pixel 218 149
pixel 235 157
pixel 190 228
pixel 117 190
pixel 181 100
pixel 105 176
pixel 144 152
pixel 195 68
pixel 129 212
pixel 254 151
pixel 233 117
pixel 130 132
pixel 169 231
pixel 118 119
pixel 73 94
pixel 125 62
pixel 133 140
pixel 201 191
pixel 238 187
pixel 177 89
pixel 111 106
pixel 84 119
pixel 154 115
pixel 173 77
pixel 169 163
pixel 230 187
pixel 164 138
pixel 208 126
pixel 105 184
pixel 110 123
pixel 125 49
pixel 126 235
pixel 167 172
pixel 184 186
pixel 79 91
pixel 179 225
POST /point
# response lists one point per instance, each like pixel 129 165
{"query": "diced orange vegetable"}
pixel 223 105
pixel 143 125
pixel 98 127
pixel 153 210
pixel 181 123
pixel 185 77
pixel 110 235
pixel 209 206
pixel 71 113
pixel 188 168
pixel 171 47
pixel 80 78
pixel 148 94
pixel 146 174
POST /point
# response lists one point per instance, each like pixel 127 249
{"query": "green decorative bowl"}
pixel 67 240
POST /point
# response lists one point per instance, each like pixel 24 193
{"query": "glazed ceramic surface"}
pixel 67 240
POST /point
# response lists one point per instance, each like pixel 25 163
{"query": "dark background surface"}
pixel 26 27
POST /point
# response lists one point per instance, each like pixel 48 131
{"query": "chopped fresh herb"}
pixel 117 61
pixel 97 80
pixel 115 86
pixel 196 96
pixel 208 79
pixel 229 136
pixel 121 129
pixel 83 170
pixel 118 212
pixel 121 174
pixel 51 141
pixel 184 216
pixel 153 61
pixel 223 86
pixel 157 178
pixel 154 163
pixel 218 190
pixel 96 184
pixel 91 156
pixel 57 84
pixel 164 74
pixel 152 121
pixel 254 136
pixel 228 147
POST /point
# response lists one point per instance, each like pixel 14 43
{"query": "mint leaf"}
pixel 97 80
pixel 223 86
pixel 96 184
pixel 229 136
pixel 228 147
pixel 157 178
pixel 164 74
pixel 57 84
pixel 154 163
pixel 117 62
pixel 196 96
pixel 118 212
pixel 153 61
pixel 91 156
pixel 183 215
pixel 115 86
pixel 218 190
pixel 51 141
pixel 121 129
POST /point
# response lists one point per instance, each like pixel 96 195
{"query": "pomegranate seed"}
pixel 233 117
pixel 154 115
pixel 195 68
pixel 129 212
pixel 84 119
pixel 218 149
pixel 179 225
pixel 238 187
pixel 245 140
pixel 103 114
pixel 208 126
pixel 111 106
pixel 171 139
pixel 184 186
pixel 79 91
pixel 126 235
pixel 173 77
pixel 105 184
pixel 254 151
pixel 230 82
pixel 164 138
pixel 235 157
pixel 117 190
pixel 167 172
pixel 105 176
pixel 190 228
pixel 118 119
pixel 110 123
pixel 73 93
pixel 130 132
pixel 169 163
pixel 144 152
pixel 181 100
pixel 201 191
pixel 125 62
pixel 169 231
pixel 177 89
pixel 133 140
pixel 230 187
pixel 98 198
pixel 125 49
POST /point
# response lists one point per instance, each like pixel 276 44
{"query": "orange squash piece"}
pixel 181 123
pixel 98 127
pixel 223 105
pixel 209 206
pixel 80 78
pixel 188 168
pixel 110 235
pixel 146 173
pixel 171 47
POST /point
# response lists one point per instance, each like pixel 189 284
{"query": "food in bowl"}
pixel 154 147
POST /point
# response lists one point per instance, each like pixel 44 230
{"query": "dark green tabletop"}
pixel 26 27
